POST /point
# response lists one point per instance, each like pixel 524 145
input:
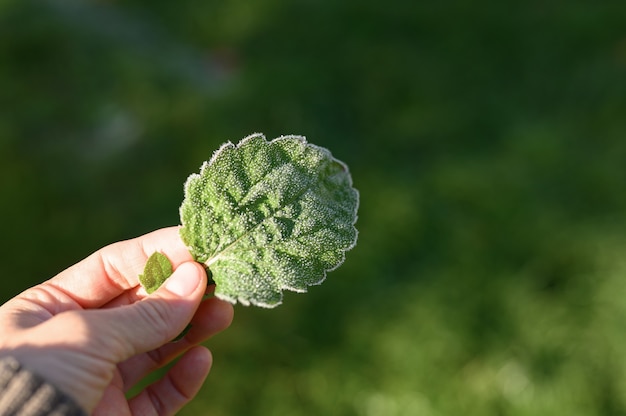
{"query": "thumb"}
pixel 157 319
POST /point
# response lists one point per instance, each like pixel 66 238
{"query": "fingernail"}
pixel 183 281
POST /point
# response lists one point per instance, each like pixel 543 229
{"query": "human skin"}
pixel 93 332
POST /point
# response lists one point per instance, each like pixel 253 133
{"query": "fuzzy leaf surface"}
pixel 267 216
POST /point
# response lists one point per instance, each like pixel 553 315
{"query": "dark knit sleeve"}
pixel 26 394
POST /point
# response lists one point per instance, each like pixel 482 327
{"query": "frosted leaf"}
pixel 269 216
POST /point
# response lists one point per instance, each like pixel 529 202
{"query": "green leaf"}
pixel 269 216
pixel 157 269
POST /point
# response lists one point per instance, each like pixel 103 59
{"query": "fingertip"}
pixel 188 278
pixel 200 356
pixel 224 313
pixel 190 372
pixel 213 315
pixel 224 310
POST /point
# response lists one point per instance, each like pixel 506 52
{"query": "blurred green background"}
pixel 487 139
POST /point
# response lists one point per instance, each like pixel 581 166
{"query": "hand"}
pixel 93 332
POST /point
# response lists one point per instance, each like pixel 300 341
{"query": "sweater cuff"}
pixel 25 393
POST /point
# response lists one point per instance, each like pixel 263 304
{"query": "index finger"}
pixel 114 269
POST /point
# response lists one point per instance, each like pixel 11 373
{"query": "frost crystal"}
pixel 269 216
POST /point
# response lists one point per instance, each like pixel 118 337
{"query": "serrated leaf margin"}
pixel 303 140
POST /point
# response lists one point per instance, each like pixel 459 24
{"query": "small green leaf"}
pixel 157 269
pixel 269 216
